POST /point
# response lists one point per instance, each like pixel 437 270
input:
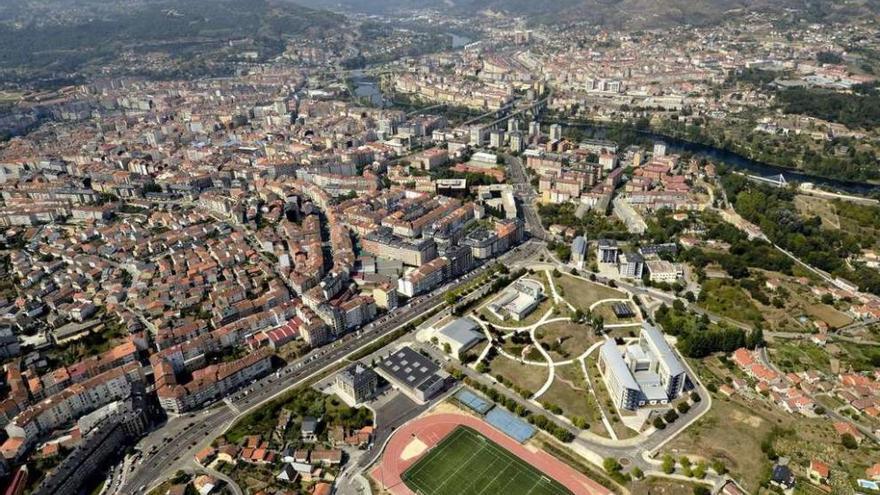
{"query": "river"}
pixel 367 87
pixel 737 161
pixel 458 40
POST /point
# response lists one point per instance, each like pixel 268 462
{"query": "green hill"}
pixel 58 39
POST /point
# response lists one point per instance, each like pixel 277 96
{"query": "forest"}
pixel 194 31
pixel 774 211
pixel 856 111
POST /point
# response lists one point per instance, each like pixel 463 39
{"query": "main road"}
pixel 526 195
pixel 171 446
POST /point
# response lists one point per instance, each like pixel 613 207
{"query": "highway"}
pixel 171 446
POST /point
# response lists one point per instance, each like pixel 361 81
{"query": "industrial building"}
pixel 413 374
pixel 460 335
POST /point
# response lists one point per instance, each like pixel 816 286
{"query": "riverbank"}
pixel 735 160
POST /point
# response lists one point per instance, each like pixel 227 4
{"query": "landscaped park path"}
pixel 548 361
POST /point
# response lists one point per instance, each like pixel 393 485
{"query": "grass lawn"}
pixel 733 430
pixel 254 478
pixel 860 357
pixel 817 439
pixel 725 298
pixel 828 314
pixel 856 219
pixel 583 293
pixel 799 355
pixel 513 348
pixel 569 392
pixel 466 462
pixel 530 319
pixel 800 308
pixel 576 339
pixel 829 402
pixel 9 96
pixel 603 401
pixel 732 433
pixel 606 311
pixel 524 376
pixel 100 339
pixel 810 206
pixel 659 486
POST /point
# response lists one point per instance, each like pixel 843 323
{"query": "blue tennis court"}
pixel 510 424
pixel 472 401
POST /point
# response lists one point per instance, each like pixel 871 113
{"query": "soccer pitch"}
pixel 467 463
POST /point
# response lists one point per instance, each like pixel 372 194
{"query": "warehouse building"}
pixel 414 374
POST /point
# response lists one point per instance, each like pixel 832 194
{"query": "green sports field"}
pixel 467 463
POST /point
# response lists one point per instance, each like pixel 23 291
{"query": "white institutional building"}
pixel 644 373
pixel 518 300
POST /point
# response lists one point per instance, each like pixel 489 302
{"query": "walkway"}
pixel 548 361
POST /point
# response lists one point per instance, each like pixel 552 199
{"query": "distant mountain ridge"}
pixel 619 13
pixel 59 39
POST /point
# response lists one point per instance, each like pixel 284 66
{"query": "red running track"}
pixel 431 429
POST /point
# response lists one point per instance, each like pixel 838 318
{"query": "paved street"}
pixel 526 195
pixel 171 446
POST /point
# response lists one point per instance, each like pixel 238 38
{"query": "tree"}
pixel 447 348
pixel 637 473
pixel 670 416
pixel 598 324
pixel 180 477
pixel 685 463
pixel 668 464
pixel 699 471
pixel 611 465
pixel 849 441
pixel 659 423
pixel 719 466
pixel 825 57
pixel 756 338
pixel 683 407
pixel 451 298
pixel 702 490
pixel 827 299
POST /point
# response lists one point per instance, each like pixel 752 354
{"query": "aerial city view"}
pixel 439 247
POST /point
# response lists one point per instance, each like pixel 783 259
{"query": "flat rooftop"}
pixel 408 367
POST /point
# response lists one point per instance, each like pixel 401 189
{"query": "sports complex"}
pixel 467 462
pixel 455 453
